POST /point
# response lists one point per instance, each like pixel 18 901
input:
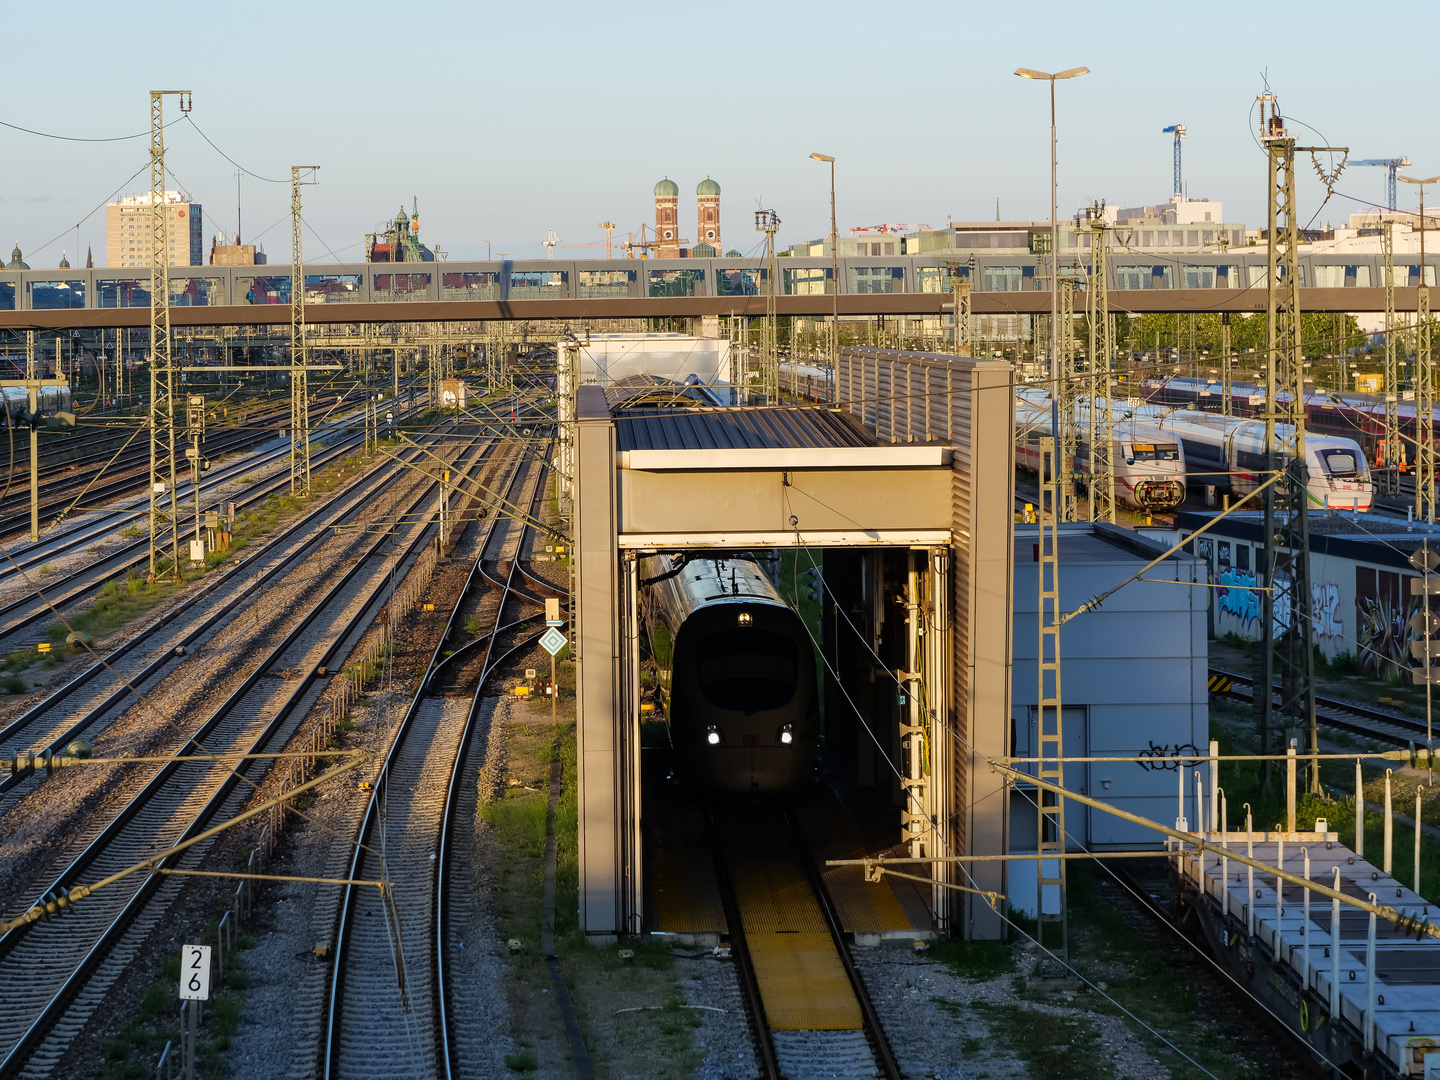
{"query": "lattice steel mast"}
pixel 299 358
pixel 1101 388
pixel 162 372
pixel 1067 398
pixel 768 222
pixel 1393 447
pixel 1287 519
pixel 1225 365
pixel 1424 380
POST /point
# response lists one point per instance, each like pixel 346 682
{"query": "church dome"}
pixel 667 187
pixel 707 187
pixel 16 261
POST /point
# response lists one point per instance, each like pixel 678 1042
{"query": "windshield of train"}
pixel 1340 462
pixel 1155 452
pixel 747 670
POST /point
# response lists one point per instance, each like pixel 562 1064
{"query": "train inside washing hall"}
pixel 736 674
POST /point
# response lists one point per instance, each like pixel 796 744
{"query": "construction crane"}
pixel 643 246
pixel 1390 165
pixel 551 239
pixel 1179 130
pixel 609 227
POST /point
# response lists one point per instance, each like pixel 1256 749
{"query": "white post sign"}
pixel 195 973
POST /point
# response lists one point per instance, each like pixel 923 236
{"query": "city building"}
pixel 17 262
pixel 236 254
pixel 399 241
pixel 128 224
pixel 669 244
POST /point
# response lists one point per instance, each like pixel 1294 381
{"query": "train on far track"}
pixel 1149 464
pixel 736 671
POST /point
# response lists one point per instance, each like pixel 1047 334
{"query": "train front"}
pixel 737 672
pixel 1151 473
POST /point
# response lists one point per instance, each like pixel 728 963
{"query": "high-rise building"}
pixel 128 224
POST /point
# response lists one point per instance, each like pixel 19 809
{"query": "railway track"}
pixel 20 618
pixel 413 817
pixel 130 469
pixel 97 695
pixel 56 974
pixel 1351 716
pixel 809 1011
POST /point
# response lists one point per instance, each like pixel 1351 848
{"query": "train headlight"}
pixel 745 619
pixel 787 735
pixel 712 736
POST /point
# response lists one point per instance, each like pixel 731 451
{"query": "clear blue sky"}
pixel 508 119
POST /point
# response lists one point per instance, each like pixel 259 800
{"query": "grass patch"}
pixel 1052 1047
pixel 522 1061
pixel 974 960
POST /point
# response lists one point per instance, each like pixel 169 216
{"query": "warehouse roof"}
pixel 737 429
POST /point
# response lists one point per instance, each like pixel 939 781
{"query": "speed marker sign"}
pixel 194 972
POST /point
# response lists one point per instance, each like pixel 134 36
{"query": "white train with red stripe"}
pixel 1149 463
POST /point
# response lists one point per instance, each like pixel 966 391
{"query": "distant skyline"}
pixel 506 121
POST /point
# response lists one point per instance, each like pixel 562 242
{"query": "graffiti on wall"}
pixel 1167 757
pixel 1236 599
pixel 1382 636
pixel 1325 608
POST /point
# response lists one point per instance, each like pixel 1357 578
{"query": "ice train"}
pixel 736 672
pixel 1149 464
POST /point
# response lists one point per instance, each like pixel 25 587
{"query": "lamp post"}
pixel 1031 73
pixel 487 250
pixel 835 262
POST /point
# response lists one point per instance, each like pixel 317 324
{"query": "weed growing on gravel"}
pixel 14 684
pixel 130 532
pixel 976 960
pixel 522 1061
pixel 1052 1047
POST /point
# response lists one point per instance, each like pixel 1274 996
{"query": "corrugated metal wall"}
pixel 966 404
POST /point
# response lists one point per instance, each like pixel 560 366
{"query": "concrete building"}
pixel 236 254
pixel 128 224
pixel 1135 673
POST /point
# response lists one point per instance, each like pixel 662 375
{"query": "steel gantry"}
pixel 1101 383
pixel 1287 519
pixel 299 358
pixel 1050 748
pixel 162 370
pixel 768 222
pixel 961 288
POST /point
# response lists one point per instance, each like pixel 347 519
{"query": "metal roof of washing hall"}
pixel 774 428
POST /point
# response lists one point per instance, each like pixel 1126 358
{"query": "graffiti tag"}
pixel 1166 758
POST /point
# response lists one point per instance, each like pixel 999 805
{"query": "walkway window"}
pixel 47 295
pixel 468 286
pixel 677 282
pixel 601 283
pixel 332 288
pixel 539 285
pixel 1003 278
pixel 7 296
pixel 748 282
pixel 131 292
pixel 877 279
pixel 1199 277
pixel 401 288
pixel 808 280
pixel 197 291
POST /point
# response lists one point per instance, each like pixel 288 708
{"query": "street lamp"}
pixel 835 261
pixel 1031 73
pixel 487 250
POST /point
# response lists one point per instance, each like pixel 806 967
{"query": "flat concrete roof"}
pixel 737 429
pixel 1097 542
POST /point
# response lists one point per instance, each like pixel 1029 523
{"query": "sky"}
pixel 506 120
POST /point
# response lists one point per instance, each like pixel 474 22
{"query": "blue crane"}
pixel 1389 165
pixel 1179 130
